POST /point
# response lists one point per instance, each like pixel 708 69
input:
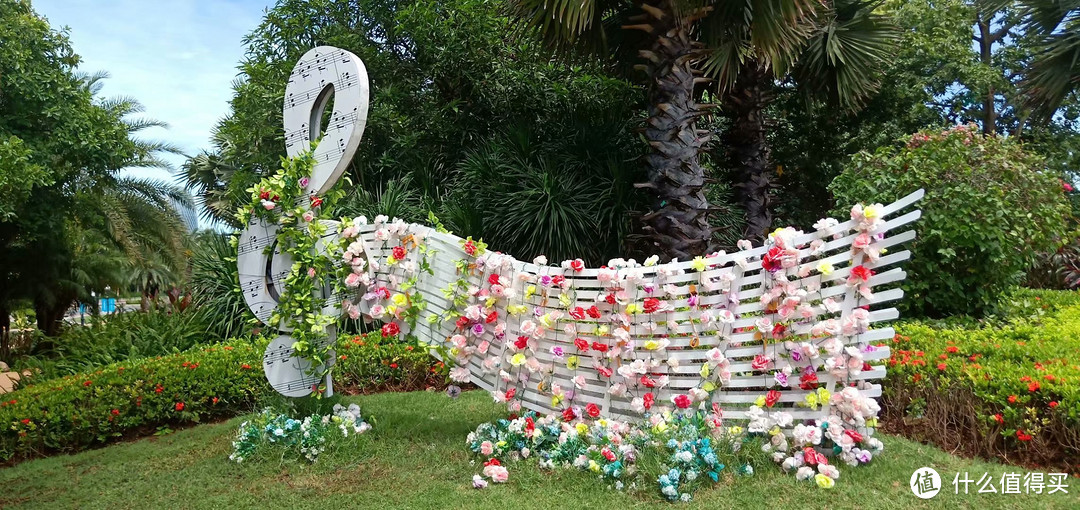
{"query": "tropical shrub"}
pixel 1008 391
pixel 139 396
pixel 117 337
pixel 989 210
pixel 215 287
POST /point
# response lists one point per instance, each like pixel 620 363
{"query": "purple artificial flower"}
pixel 863 456
pixel 478 329
pixel 649 288
pixel 545 280
pixel 304 182
pixel 796 356
pixel 692 300
pixel 557 351
pixel 781 379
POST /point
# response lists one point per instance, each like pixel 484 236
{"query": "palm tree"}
pixel 211 177
pixel 1055 70
pixel 830 48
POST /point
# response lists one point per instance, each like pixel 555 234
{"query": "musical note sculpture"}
pixel 773 335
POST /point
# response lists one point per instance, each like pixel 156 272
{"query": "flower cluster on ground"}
pixel 306 438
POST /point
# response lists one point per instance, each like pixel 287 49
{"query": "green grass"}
pixel 416 458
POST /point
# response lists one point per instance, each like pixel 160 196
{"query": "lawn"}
pixel 416 458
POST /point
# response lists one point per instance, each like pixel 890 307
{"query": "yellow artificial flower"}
pixel 735 431
pixel 709 386
pixel 390 310
pixel 564 300
pixel 698 264
pixel 572 362
pixel 582 429
pixel 602 330
pixel 760 402
pixel 518 360
pixel 593 466
pixel 517 309
pixel 823 395
pixel 454 351
pixel 705 372
pixel 632 308
pixel 556 400
pixel 872 423
pixel 490 302
pixel 823 481
pixel 870 212
pixel 391 260
pixel 501 443
pixel 651 345
pixel 825 268
pixel 529 291
pixel 602 422
pixel 811 401
pixel 399 299
pixel 660 428
pixel 775 430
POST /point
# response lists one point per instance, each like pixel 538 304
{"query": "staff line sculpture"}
pixel 769 335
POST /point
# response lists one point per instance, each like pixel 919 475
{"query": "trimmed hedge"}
pixel 223 380
pixel 1010 391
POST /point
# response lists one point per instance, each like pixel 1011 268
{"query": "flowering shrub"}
pixel 1013 387
pixel 306 438
pixel 990 209
pixel 222 380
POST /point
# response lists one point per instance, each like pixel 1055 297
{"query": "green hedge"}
pixel 1011 390
pixel 137 397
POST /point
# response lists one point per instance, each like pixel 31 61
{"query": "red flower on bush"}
pixel 179 406
pixel 87 383
pixel 391 329
pixel 26 421
pixel 115 412
pixel 648 399
pixel 651 305
pixel 1033 387
pixel 942 366
pixel 682 401
pixel 771 398
pixel 999 418
pixel 215 400
pixel 592 410
pixel 1024 436
pixel 952 349
pixel 1012 399
pixel 1053 404
pixel 393 365
pixel 245 366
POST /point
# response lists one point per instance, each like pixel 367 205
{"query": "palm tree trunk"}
pixel 678 224
pixel 746 144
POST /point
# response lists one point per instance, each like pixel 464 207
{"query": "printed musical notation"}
pixel 302 97
pixel 254 243
pixel 320 61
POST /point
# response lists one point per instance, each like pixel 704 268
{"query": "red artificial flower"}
pixel 778 330
pixel 398 252
pixel 581 344
pixel 593 312
pixel 383 292
pixel 470 247
pixel 391 329
pixel 651 305
pixel 609 299
pixel 179 406
pixel 1065 187
pixel 861 272
pixel 493 279
pixel 462 322
pixel 771 398
pixel 530 425
pixel 558 280
pixel 568 414
pixel 492 317
pixel 771 261
pixel 855 436
pixel 264 194
pixel 811 456
pixel 760 362
pixel 999 418
pixel 492 462
pixel 682 401
pixel 1024 436
pixel 315 201
pixel 648 400
pixel 592 410
pixel 809 381
pixel 578 313
pixel 510 393
pixel 1012 399
pixel 577 264
pixel 521 342
pixel 604 371
pixel 608 454
pixel 597 346
pixel 647 382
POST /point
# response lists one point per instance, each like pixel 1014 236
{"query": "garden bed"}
pixel 1008 389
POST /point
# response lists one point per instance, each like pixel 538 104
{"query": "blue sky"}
pixel 177 57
